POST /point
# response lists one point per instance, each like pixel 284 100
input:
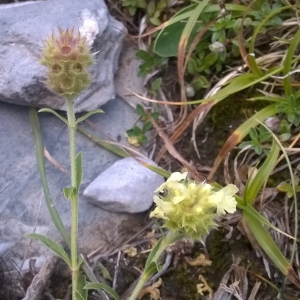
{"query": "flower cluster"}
pixel 67 57
pixel 191 207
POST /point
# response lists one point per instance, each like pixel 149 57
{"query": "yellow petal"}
pixel 224 200
pixel 177 176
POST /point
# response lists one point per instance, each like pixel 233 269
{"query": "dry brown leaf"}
pixel 171 149
pixel 54 162
pixel 152 290
pixel 201 260
pixel 204 287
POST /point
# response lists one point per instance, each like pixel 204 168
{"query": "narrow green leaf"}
pixel 253 121
pixel 237 84
pixel 79 168
pixel 252 189
pixel 167 41
pixel 267 243
pixel 55 113
pixel 102 286
pixel 40 158
pixel 79 297
pixel 287 63
pixel 82 292
pixel 152 257
pixel 92 112
pixel 104 271
pixel 262 24
pixel 255 215
pixel 119 150
pixel 52 245
pixel 192 21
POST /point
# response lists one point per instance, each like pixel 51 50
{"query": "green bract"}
pixel 191 207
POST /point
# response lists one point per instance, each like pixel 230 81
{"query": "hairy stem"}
pixel 150 269
pixel 74 198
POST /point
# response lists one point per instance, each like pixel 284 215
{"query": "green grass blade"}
pixel 118 150
pixel 267 243
pixel 252 189
pixel 39 148
pixel 253 121
pixel 166 43
pixel 257 30
pixel 255 215
pixel 238 84
pixel 110 146
pixel 102 286
pixel 274 98
pixel 82 292
pixel 192 20
pixel 287 64
pixel 237 136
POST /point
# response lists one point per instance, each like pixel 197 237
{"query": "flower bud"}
pixel 273 123
pixel 67 57
pixel 217 47
pixel 190 207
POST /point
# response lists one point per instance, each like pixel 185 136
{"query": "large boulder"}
pixel 24 27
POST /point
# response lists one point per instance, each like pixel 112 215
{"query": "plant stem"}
pixel 156 253
pixel 74 198
pixel 142 281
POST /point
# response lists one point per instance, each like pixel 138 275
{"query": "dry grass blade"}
pixel 171 149
pixel 198 120
pixel 203 108
pixel 181 61
pixel 240 133
pixel 163 25
pixel 54 162
pixel 123 148
pixel 242 49
pixel 194 44
pixel 254 291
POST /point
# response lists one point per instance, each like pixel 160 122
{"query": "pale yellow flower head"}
pixel 191 207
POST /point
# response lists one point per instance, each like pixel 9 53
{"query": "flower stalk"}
pixel 153 261
pixel 188 209
pixel 74 199
pixel 67 57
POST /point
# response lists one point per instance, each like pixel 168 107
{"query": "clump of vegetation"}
pixel 222 50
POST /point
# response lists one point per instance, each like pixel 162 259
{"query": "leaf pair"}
pixel 72 192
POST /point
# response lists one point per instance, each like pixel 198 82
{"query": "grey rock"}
pixel 126 77
pixel 127 186
pixel 22 206
pixel 24 27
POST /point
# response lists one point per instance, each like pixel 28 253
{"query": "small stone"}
pixel 127 186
